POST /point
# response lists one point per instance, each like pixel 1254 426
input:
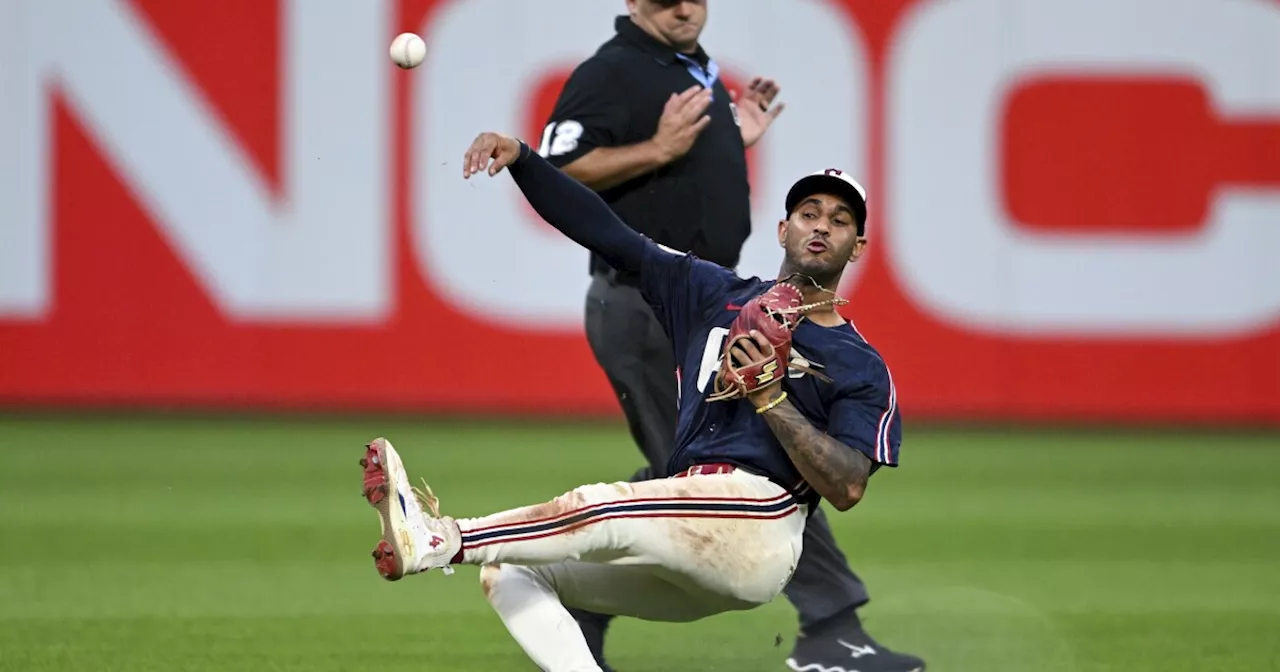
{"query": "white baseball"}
pixel 408 50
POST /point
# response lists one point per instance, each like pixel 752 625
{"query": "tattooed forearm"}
pixel 838 472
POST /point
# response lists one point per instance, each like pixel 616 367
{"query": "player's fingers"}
pixel 485 153
pixel 469 159
pixel 471 154
pixel 776 110
pixel 473 158
pixel 749 345
pixel 765 345
pixel 744 351
pixel 507 153
pixel 700 124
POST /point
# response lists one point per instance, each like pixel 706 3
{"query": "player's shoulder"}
pixel 699 272
pixel 743 289
pixel 849 352
pixel 661 253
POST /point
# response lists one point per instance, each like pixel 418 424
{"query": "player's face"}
pixel 676 23
pixel 820 237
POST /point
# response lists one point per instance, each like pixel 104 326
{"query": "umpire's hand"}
pixel 503 150
pixel 681 122
pixel 754 109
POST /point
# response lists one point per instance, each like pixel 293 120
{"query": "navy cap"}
pixel 831 181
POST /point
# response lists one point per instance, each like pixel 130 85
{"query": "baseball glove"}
pixel 775 314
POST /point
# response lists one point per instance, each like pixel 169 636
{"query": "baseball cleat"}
pixel 414 539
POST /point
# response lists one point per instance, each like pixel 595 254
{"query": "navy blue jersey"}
pixel 697 301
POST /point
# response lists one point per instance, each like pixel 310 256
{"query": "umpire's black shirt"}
pixel 699 203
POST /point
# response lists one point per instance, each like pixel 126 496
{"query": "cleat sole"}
pixel 375 477
pixel 384 560
pixel 377 492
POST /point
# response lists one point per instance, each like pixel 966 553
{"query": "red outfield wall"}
pixel 1075 205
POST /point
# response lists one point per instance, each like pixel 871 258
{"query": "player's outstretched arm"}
pixel 564 203
pixel 836 471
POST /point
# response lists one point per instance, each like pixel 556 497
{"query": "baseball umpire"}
pixel 647 123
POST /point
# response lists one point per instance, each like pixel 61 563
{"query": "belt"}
pixel 711 468
pixel 706 469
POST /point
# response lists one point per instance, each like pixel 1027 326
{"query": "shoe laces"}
pixel 429 500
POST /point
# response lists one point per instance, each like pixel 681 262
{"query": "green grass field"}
pixel 168 545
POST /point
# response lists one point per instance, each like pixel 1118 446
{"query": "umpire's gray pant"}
pixel 632 348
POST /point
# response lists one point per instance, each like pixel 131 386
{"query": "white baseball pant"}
pixel 676 549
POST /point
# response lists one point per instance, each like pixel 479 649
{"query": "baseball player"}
pixel 783 403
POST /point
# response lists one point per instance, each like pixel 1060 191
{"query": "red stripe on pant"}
pixel 623 502
pixel 609 516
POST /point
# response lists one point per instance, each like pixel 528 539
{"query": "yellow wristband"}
pixel 781 398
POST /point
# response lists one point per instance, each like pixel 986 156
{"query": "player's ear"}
pixel 782 233
pixel 859 246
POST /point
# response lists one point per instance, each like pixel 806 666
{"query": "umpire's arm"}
pixel 592 117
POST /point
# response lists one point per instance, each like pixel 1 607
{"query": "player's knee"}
pixel 494 577
pixel 489 577
pixel 748 599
